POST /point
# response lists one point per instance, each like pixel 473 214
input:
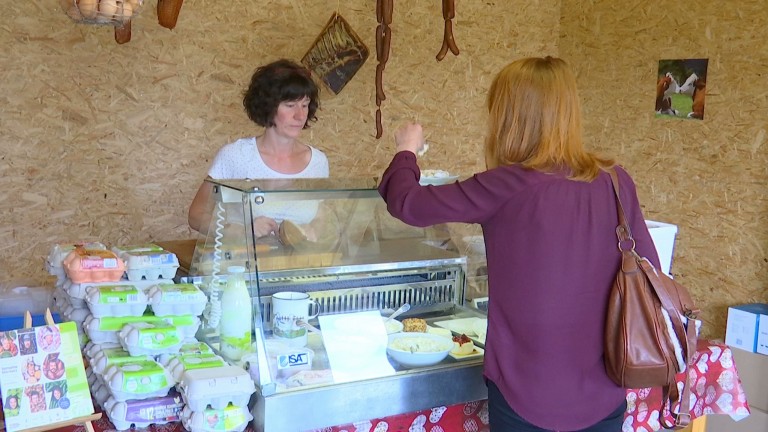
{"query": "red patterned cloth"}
pixel 716 390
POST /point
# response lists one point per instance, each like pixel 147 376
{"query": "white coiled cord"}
pixel 213 309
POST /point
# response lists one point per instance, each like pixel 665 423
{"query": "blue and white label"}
pixel 291 360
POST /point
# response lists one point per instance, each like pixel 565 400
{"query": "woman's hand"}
pixel 264 226
pixel 409 137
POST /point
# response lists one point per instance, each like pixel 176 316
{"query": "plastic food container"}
pixel 141 338
pixel 145 412
pixel 182 363
pixel 93 265
pixel 178 299
pixel 148 262
pixel 138 380
pixel 217 387
pixel 115 300
pixel 105 329
pixel 231 419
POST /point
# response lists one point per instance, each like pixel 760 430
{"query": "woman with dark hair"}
pixel 548 212
pixel 12 405
pixel 283 99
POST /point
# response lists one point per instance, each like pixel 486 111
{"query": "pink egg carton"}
pixel 93 265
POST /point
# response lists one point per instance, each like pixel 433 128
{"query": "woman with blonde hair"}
pixel 548 213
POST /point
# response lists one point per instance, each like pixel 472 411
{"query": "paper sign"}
pixel 356 344
pixel 42 377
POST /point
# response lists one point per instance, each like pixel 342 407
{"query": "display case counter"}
pixel 322 279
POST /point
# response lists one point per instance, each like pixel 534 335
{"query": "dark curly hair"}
pixel 276 82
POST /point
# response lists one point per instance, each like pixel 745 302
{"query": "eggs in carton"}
pixel 182 363
pixel 217 387
pixel 138 380
pixel 93 265
pixel 115 300
pixel 231 418
pixel 178 299
pixel 148 262
pixel 106 329
pixel 142 338
pixel 142 413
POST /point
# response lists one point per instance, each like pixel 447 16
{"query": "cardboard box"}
pixel 663 235
pixel 756 422
pixel 753 372
pixel 742 329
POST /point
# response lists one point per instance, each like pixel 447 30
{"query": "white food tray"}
pixel 468 326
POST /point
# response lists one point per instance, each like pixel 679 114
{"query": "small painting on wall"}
pixel 337 54
pixel 685 100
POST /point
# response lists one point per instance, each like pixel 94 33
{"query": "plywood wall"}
pixel 109 142
pixel 708 177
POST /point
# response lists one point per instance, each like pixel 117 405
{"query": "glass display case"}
pixel 324 265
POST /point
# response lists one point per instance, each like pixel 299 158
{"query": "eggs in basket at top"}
pixel 101 11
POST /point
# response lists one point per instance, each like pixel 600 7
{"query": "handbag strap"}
pixel 624 234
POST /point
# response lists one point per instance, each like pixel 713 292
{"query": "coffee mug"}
pixel 289 309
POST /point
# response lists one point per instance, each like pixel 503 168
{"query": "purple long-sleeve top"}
pixel 552 257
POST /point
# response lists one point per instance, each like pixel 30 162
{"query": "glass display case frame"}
pixel 340 246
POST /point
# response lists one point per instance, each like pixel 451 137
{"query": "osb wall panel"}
pixel 100 141
pixel 708 177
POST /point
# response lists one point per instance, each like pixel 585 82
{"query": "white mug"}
pixel 288 310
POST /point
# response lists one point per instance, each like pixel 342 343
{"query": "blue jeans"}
pixel 503 419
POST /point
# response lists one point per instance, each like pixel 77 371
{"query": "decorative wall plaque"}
pixel 337 54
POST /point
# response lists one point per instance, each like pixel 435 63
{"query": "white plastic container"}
pixel 152 339
pixel 182 363
pixel 138 380
pixel 148 262
pixel 237 320
pixel 145 412
pixel 663 236
pixel 105 329
pixel 217 387
pixel 178 299
pixel 231 419
pixel 116 300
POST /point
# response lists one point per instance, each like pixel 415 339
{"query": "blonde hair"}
pixel 535 120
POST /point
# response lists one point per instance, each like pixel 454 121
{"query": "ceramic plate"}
pixel 478 352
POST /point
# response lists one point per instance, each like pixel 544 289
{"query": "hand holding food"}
pixel 264 226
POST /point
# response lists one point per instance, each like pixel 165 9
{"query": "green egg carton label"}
pixel 195 348
pixel 158 337
pixel 201 361
pixel 225 419
pixel 117 323
pixel 118 294
pixel 143 377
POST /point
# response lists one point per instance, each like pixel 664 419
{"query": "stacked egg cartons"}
pixel 104 298
pixel 216 398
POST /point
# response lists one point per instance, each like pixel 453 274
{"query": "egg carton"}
pixel 182 363
pixel 216 387
pixel 62 300
pixel 138 380
pixel 189 347
pixel 106 357
pixel 231 419
pixel 100 393
pixel 148 262
pixel 178 299
pixel 54 261
pixel 78 315
pixel 93 265
pixel 106 329
pixel 79 291
pixel 142 413
pixel 91 349
pixel 116 300
pixel 150 339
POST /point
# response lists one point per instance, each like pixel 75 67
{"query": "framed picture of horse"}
pixel 685 100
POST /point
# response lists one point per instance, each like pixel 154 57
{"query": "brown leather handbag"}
pixel 650 328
